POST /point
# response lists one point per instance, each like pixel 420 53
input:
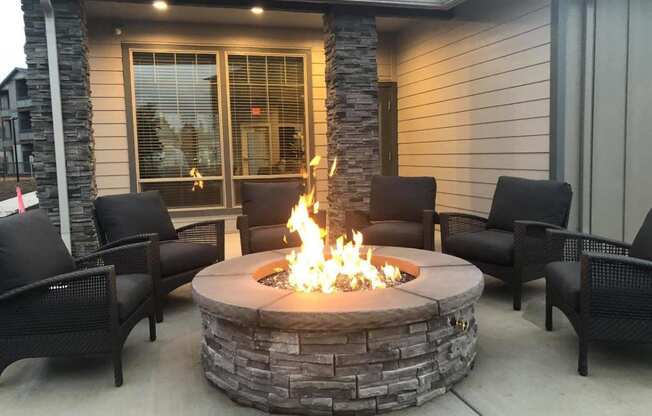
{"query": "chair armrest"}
pixel 206 232
pixel 530 247
pixel 79 301
pixel 428 221
pixel 137 238
pixel 456 222
pixel 565 245
pixel 355 220
pixel 128 259
pixel 616 287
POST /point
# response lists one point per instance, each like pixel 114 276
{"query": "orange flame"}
pixel 312 269
pixel 199 183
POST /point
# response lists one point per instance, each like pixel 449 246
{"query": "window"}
pixel 178 128
pixel 24 121
pixel 21 89
pixel 4 100
pixel 267 113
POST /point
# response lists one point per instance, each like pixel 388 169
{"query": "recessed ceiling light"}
pixel 257 10
pixel 160 5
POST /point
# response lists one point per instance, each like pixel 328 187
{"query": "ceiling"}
pixel 193 14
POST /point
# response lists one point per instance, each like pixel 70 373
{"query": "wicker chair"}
pixel 266 208
pixel 179 253
pixel 511 244
pixel 58 306
pixel 401 213
pixel 604 287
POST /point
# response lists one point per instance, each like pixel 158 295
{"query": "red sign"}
pixel 256 111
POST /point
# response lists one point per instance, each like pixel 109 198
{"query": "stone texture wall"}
pixel 352 112
pixel 75 91
pixel 332 373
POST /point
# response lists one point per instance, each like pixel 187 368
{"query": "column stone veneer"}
pixel 352 112
pixel 70 22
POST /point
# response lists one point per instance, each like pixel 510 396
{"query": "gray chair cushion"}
pixel 396 198
pixel 271 238
pixel 132 290
pixel 531 200
pixel 180 257
pixel 394 233
pixel 270 203
pixel 564 278
pixel 642 245
pixel 489 246
pixel 125 215
pixel 30 250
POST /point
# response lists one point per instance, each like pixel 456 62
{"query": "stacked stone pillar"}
pixel 75 96
pixel 352 111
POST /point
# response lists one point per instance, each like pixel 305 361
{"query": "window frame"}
pixel 223 96
pixel 307 105
pixel 134 126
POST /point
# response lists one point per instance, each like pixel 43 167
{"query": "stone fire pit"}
pixel 362 352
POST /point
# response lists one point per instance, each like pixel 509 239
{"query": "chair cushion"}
pixel 489 246
pixel 530 200
pixel 396 198
pixel 270 203
pixel 271 238
pixel 564 278
pixel 642 245
pixel 394 233
pixel 30 250
pixel 180 256
pixel 121 216
pixel 131 290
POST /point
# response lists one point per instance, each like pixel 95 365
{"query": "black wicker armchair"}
pixel 604 287
pixel 266 208
pixel 401 213
pixel 52 305
pixel 179 253
pixel 511 244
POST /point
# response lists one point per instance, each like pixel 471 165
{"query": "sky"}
pixel 12 34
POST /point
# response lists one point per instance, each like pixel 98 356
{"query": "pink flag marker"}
pixel 21 203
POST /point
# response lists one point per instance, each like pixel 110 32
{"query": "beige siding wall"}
pixel 473 99
pixel 107 82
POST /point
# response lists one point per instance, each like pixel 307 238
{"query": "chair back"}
pixel 529 200
pixel 400 198
pixel 270 203
pixel 126 215
pixel 31 249
pixel 642 245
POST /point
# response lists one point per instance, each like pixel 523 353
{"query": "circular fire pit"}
pixel 366 351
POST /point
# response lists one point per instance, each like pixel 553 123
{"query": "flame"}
pixel 312 269
pixel 199 183
pixel 333 167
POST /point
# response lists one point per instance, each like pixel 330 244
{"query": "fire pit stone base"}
pixel 364 352
pixel 324 373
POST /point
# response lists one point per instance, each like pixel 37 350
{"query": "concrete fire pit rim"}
pixel 220 293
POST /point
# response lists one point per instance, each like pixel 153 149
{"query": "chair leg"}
pixel 583 361
pixel 548 310
pixel 159 315
pixel 117 367
pixel 159 307
pixel 152 327
pixel 516 292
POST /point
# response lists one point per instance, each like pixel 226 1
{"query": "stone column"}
pixel 75 96
pixel 352 111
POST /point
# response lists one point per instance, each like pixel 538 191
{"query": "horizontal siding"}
pixel 473 100
pixel 107 83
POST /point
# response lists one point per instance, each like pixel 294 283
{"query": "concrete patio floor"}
pixel 521 370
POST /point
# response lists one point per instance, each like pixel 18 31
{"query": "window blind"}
pixel 267 113
pixel 177 127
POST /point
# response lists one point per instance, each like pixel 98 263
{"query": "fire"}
pixel 199 183
pixel 313 268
